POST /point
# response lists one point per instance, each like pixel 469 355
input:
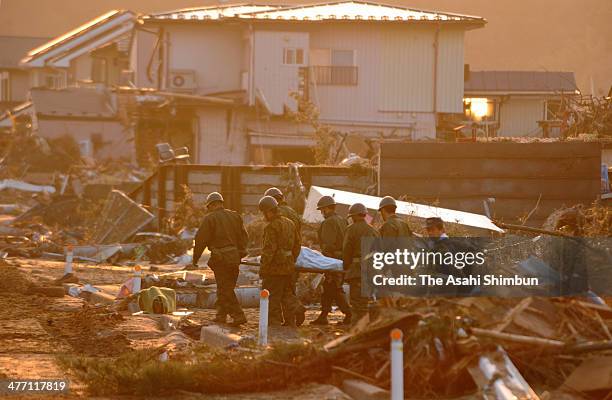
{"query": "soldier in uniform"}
pixel 223 232
pixel 331 235
pixel 281 248
pixel 394 225
pixel 286 211
pixel 351 257
pixel 394 231
pixel 284 208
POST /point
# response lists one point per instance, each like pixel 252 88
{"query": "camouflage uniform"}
pixel 351 257
pixel 223 232
pixel 331 236
pixel 281 248
pixel 286 211
pixel 395 226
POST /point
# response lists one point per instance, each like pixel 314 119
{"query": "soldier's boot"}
pixel 285 315
pixel 321 319
pixel 300 315
pixel 343 305
pixel 238 320
pixel 275 323
pixel 220 319
pixel 347 319
pixel 290 320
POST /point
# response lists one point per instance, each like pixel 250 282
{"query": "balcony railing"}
pixel 333 75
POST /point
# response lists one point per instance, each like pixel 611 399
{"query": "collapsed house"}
pixel 66 84
pixel 88 115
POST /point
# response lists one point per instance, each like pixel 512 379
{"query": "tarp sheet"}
pixel 312 259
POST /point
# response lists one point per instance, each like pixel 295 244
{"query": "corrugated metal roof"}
pixel 212 12
pixel 73 102
pixel 422 211
pixel 343 10
pixel 520 81
pixel 14 48
pixel 358 10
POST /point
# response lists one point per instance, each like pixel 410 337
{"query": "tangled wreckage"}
pixel 111 255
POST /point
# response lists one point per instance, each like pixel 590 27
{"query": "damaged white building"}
pixel 224 80
pixel 371 70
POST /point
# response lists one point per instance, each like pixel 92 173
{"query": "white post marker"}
pixel 69 257
pixel 137 280
pixel 264 301
pixel 397 365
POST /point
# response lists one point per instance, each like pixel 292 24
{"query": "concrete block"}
pixel 216 336
pixel 187 299
pixel 360 390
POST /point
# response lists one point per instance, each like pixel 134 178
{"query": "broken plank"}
pixel 517 338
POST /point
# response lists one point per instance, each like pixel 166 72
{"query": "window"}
pixel 98 70
pixel 343 58
pixel 333 67
pixel 5 86
pixel 54 81
pixel 553 110
pixel 479 108
pixel 293 56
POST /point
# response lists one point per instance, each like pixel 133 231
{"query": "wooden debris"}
pixel 593 374
pixel 517 338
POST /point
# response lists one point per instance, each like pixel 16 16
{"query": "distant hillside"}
pixel 569 35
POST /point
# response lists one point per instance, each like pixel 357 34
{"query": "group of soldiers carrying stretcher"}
pixel 223 233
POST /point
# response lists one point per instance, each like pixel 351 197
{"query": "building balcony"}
pixel 332 75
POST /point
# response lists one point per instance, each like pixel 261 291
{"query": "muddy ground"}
pixel 37 330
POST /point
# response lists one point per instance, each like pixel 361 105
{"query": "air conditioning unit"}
pixel 182 80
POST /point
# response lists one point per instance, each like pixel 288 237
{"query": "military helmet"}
pixel 386 201
pixel 325 201
pixel 212 197
pixel 267 203
pixel 274 192
pixel 357 208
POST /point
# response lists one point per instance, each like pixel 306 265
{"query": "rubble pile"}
pixel 557 345
pixel 598 221
pixel 35 154
pixel 586 114
pixel 444 338
pixel 187 214
pixel 108 230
